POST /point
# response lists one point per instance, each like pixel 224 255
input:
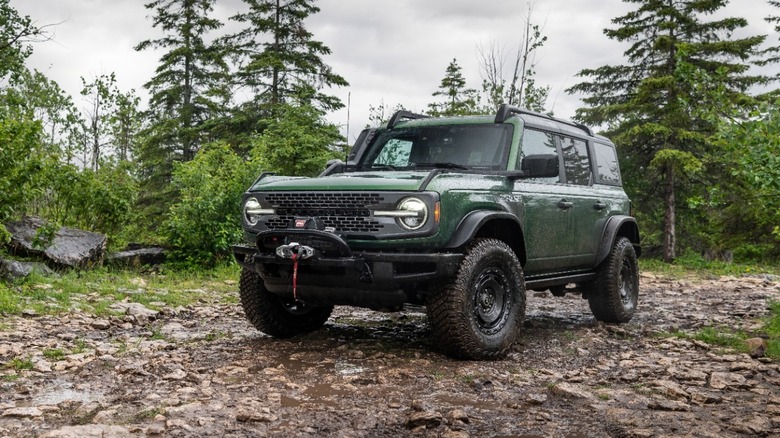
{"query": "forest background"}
pixel 691 108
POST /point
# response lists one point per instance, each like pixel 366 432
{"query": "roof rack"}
pixel 401 115
pixel 505 111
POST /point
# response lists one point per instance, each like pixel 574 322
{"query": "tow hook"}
pixel 294 250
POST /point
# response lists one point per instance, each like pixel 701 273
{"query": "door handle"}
pixel 565 205
pixel 599 205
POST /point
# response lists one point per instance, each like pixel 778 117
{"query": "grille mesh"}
pixel 346 212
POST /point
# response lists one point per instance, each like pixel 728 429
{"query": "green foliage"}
pixel 40 98
pixel 458 100
pixel 99 201
pixel 206 220
pixel 15 33
pixel 298 142
pixel 20 162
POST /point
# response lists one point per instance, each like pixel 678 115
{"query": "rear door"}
pixel 587 207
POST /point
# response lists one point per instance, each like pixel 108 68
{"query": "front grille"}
pixel 346 212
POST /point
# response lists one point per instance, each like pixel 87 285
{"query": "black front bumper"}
pixel 337 275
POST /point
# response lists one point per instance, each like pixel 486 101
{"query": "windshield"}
pixel 477 146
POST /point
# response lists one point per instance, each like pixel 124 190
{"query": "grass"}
pixel 691 265
pixel 20 364
pixel 772 329
pixel 53 354
pixel 94 291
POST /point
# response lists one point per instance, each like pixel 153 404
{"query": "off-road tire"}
pixel 479 314
pixel 270 314
pixel 614 295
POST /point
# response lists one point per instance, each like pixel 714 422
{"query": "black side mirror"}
pixel 540 166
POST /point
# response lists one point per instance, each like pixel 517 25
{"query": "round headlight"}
pixel 251 210
pixel 416 205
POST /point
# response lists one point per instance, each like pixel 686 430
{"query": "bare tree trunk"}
pixel 669 217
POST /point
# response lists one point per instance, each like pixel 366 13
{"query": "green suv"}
pixel 460 214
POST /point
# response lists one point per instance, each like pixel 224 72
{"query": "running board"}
pixel 560 280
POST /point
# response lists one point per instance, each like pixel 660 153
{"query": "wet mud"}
pixel 204 371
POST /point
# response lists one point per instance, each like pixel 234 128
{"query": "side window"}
pixel 395 153
pixel 575 161
pixel 537 143
pixel 607 168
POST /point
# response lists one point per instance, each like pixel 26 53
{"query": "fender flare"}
pixel 472 222
pixel 623 226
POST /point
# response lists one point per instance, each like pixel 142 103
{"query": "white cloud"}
pixel 391 51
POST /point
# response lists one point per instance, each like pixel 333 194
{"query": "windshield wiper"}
pixel 441 165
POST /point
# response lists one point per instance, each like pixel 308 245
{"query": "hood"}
pixel 394 181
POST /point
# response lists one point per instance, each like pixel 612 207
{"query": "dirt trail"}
pixel 203 371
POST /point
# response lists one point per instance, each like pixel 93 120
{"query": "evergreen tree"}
pixel 188 90
pixel 458 100
pixel 650 108
pixel 278 59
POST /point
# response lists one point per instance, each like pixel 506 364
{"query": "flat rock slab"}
pixel 137 257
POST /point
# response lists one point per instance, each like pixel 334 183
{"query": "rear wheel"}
pixel 614 295
pixel 479 314
pixel 275 316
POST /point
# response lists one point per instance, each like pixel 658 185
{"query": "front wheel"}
pixel 614 295
pixel 479 314
pixel 275 316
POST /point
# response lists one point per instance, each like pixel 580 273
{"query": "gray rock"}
pixel 26 412
pixel 426 418
pixel 727 380
pixel 100 324
pixel 16 270
pixel 137 257
pixel 757 347
pixel 89 431
pixel 69 248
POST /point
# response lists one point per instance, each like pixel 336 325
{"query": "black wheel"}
pixel 614 295
pixel 273 315
pixel 479 314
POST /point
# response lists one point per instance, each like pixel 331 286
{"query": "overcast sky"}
pixel 392 51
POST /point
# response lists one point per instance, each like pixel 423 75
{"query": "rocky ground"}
pixel 203 371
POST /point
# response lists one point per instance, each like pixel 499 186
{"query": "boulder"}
pixel 16 270
pixel 69 248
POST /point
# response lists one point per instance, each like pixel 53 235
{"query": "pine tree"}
pixel 278 59
pixel 189 90
pixel 458 100
pixel 649 107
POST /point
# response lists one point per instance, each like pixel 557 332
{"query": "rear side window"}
pixel 607 168
pixel 575 161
